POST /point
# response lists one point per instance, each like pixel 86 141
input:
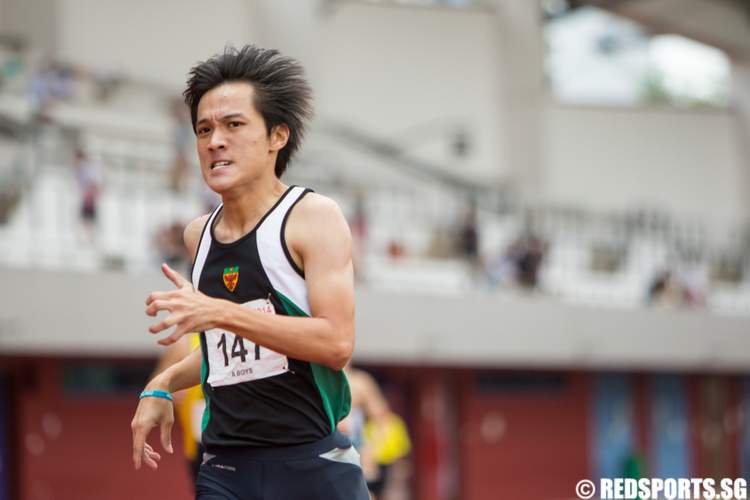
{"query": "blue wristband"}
pixel 156 394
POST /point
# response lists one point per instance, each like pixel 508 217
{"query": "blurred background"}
pixel 550 204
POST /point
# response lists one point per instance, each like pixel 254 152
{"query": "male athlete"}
pixel 271 292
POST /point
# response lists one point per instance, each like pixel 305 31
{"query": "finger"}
pixel 167 322
pixel 150 462
pixel 158 327
pixel 160 296
pixel 138 441
pixel 152 454
pixel 174 276
pixel 171 339
pixel 176 335
pixel 159 305
pixel 150 457
pixel 166 435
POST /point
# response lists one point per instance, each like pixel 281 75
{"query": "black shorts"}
pixel 325 470
pixel 194 465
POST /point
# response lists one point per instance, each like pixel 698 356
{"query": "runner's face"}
pixel 233 145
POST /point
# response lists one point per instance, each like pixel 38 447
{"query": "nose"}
pixel 217 141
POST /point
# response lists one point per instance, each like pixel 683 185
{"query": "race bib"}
pixel 233 359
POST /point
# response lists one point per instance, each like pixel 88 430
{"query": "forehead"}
pixel 231 97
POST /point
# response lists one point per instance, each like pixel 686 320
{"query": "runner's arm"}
pixel 183 374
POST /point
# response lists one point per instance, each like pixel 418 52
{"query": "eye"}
pixel 203 131
pixel 234 124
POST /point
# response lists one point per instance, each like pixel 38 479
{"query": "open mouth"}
pixel 220 164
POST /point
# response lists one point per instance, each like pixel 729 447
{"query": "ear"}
pixel 279 137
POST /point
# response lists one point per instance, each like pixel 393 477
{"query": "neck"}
pixel 244 207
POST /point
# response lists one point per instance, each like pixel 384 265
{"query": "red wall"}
pixel 80 449
pixel 524 445
pixel 470 441
pixel 716 421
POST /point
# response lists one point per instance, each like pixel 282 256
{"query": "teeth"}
pixel 220 164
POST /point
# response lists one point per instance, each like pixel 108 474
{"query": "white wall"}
pixel 411 75
pixel 154 41
pixel 292 27
pixel 103 313
pixel 520 38
pixel 741 103
pixel 684 162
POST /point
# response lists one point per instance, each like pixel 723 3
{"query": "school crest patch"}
pixel 231 277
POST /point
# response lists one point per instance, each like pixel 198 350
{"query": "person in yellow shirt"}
pixel 378 433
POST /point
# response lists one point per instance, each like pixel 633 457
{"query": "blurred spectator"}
pixel 377 433
pixel 50 83
pixel 468 234
pixel 89 180
pixel 664 290
pixel 169 241
pixel 500 270
pixel 695 286
pixel 468 239
pixel 396 250
pixel 9 196
pixel 526 255
pixel 687 289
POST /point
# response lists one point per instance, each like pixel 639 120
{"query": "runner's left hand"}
pixel 190 310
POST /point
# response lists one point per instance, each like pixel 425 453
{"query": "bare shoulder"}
pixel 192 234
pixel 317 216
pixel 317 227
pixel 317 206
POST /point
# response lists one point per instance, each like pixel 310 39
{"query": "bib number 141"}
pixel 237 350
pixel 233 359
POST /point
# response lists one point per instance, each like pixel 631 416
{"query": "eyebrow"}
pixel 223 118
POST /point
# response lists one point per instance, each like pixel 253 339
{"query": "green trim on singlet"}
pixel 204 376
pixel 332 384
pixel 334 390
